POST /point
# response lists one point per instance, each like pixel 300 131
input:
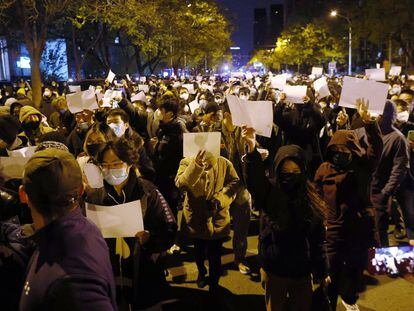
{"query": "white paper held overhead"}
pixel 373 92
pixel 194 142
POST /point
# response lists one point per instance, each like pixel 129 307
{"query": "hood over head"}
pixel 389 117
pixel 27 111
pixel 292 152
pixel 349 139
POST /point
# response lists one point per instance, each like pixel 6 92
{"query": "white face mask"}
pixel 403 116
pixel 202 103
pixel 47 93
pixel 395 90
pixel 219 100
pixel 184 96
pixel 244 97
pixel 116 176
pixel 118 129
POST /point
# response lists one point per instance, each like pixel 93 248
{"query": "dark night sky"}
pixel 242 11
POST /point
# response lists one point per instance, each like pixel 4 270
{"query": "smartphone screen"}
pixel 391 260
pixel 410 135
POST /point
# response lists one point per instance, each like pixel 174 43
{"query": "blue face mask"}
pixel 118 129
pixel 62 111
pixel 116 176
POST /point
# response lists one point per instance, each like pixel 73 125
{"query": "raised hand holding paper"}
pixel 193 105
pixel 295 93
pixel 194 142
pixel 278 82
pixel 395 71
pixel 78 102
pixel 144 88
pixel 118 221
pixel 321 86
pixel 140 96
pixel 255 114
pixel 376 74
pixel 374 92
pixel 190 88
pixel 111 76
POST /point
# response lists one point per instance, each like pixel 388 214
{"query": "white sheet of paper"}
pixel 193 105
pixel 78 102
pixel 140 96
pixel 128 77
pixel 111 76
pixel 249 75
pixel 376 74
pixel 12 167
pixel 118 221
pixel 144 88
pixel 74 88
pixel 26 152
pixel 317 71
pixel 91 87
pixel 190 88
pixel 295 93
pixel 395 71
pixel 321 86
pixel 142 79
pixel 374 92
pixel 278 82
pixel 194 142
pixel 255 114
pixel 93 175
pixel 176 85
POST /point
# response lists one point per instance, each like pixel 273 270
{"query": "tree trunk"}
pixel 75 55
pixel 36 79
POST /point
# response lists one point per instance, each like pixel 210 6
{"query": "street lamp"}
pixel 335 13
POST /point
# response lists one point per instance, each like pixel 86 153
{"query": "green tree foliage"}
pixel 380 21
pixel 307 45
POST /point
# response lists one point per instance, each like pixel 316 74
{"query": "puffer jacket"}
pixel 218 181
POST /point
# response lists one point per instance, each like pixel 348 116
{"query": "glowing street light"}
pixel 335 13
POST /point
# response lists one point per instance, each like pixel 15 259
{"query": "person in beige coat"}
pixel 211 184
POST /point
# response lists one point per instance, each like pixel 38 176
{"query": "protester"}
pixel 70 268
pixel 211 185
pixel 292 236
pixel 135 261
pixel 344 183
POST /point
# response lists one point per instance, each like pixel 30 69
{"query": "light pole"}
pixel 336 14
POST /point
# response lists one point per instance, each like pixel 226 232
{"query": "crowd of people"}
pixel 327 183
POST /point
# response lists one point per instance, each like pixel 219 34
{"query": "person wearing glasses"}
pixel 135 261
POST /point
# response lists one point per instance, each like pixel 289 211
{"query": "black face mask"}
pixel 341 159
pixel 289 181
pixel 31 126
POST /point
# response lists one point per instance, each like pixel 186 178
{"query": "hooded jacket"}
pixel 43 128
pixel 394 162
pixel 347 192
pixel 292 234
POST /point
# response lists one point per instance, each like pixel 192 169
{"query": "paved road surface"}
pixel 243 292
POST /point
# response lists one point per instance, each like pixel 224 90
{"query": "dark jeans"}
pixel 210 249
pixel 381 204
pixel 346 280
